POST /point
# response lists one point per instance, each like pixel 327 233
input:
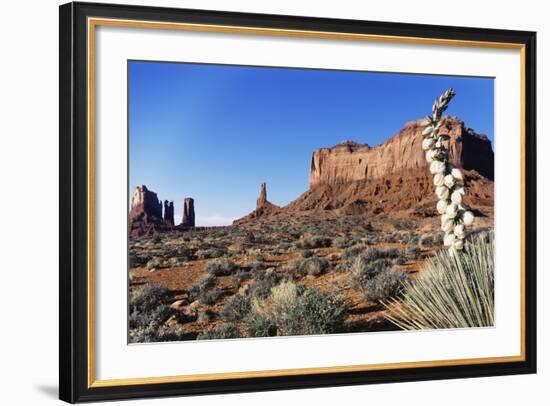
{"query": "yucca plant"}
pixel 448 180
pixel 455 290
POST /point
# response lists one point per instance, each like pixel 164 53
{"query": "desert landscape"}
pixel 331 261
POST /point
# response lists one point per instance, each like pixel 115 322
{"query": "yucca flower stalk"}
pixel 448 180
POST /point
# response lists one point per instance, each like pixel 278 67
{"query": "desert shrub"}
pixel 293 309
pixel 225 331
pixel 210 253
pixel 453 291
pixel 284 247
pixel 205 315
pixel 220 267
pixel 200 287
pixel 260 326
pixel 376 279
pixel 384 285
pixel 363 269
pixel 249 236
pixel 236 308
pixel 400 260
pixel 146 297
pixel 314 266
pixel 313 241
pixel 341 241
pixel 262 284
pixel 147 314
pixel 413 251
pixel 307 253
pixel 426 241
pixel 153 263
pixel 241 275
pixel 140 317
pixel 256 266
pixel 372 254
pixel 135 260
pixel 259 257
pixel 209 297
pixel 401 224
pixel 351 252
pixel 154 333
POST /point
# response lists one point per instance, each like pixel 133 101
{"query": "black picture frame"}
pixel 74 199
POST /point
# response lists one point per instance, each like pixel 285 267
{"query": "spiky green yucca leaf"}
pixel 453 291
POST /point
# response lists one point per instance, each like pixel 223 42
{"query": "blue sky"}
pixel 215 132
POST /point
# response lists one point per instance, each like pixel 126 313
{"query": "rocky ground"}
pixel 217 282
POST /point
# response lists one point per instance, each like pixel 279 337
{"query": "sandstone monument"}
pixel 263 206
pixel 188 218
pixel 169 212
pixel 148 217
pixel 262 198
pixel 145 206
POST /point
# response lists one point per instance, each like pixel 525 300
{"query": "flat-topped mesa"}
pixel 350 161
pixel 145 208
pixel 169 213
pixel 188 217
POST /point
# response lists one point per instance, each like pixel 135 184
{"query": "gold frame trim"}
pixel 94 22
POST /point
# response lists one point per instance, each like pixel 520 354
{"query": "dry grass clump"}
pixel 292 309
pixel 454 291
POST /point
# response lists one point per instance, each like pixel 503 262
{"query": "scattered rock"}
pixel 179 304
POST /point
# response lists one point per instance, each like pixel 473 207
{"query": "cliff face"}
pixel 402 153
pixel 145 207
pixel 188 217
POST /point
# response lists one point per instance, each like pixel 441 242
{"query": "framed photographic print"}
pixel 256 202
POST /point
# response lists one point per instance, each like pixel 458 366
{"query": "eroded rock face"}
pixel 188 218
pixel 145 207
pixel 169 213
pixel 350 161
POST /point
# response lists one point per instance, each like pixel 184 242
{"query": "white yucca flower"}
pixel 442 192
pixel 449 240
pixel 439 179
pixel 451 211
pixel 468 218
pixel 457 174
pixel 456 197
pixel 442 206
pixel 437 167
pixel 447 227
pixel 459 231
pixel 447 179
pixel 427 143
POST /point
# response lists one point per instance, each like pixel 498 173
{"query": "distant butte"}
pixel 148 217
pixel 392 178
